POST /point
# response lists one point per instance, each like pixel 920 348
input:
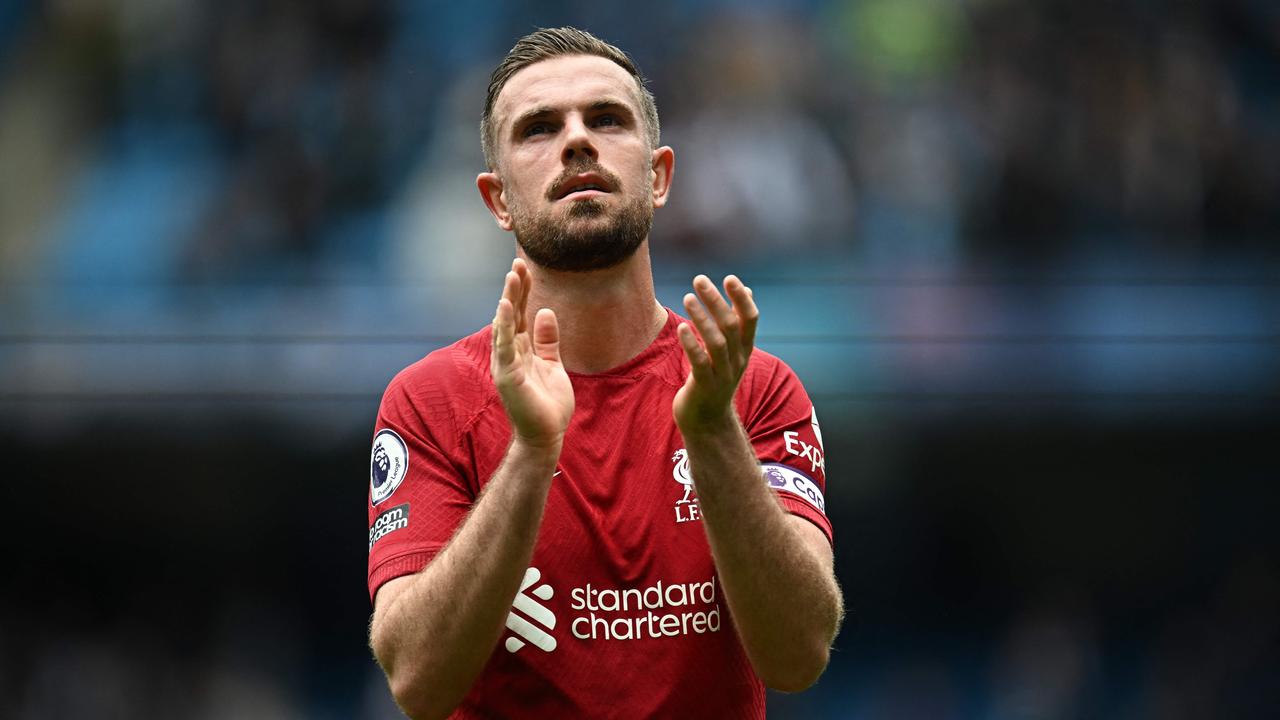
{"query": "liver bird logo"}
pixel 681 473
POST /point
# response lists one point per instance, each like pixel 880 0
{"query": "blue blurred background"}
pixel 1023 255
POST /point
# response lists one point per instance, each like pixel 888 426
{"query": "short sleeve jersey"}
pixel 621 613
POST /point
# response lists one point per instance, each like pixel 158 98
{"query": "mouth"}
pixel 583 187
pixel 584 194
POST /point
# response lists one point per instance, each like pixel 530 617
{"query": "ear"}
pixel 494 196
pixel 663 166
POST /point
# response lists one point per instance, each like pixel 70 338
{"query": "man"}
pixel 535 548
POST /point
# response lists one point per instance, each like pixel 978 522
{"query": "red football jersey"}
pixel 621 613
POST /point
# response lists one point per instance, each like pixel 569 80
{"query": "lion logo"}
pixel 381 465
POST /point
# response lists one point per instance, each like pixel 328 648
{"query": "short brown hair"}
pixel 547 43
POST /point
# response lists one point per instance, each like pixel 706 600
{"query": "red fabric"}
pixel 613 522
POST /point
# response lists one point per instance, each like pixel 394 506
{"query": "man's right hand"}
pixel 433 631
pixel 526 367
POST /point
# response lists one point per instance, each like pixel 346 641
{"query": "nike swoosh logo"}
pixel 556 473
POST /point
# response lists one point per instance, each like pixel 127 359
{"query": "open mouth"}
pixel 583 187
pixel 586 191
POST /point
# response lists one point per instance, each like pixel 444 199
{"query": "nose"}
pixel 577 141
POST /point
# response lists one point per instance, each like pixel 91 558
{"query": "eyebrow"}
pixel 610 104
pixel 533 114
pixel 545 110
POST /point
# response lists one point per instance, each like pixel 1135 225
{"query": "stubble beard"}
pixel 587 238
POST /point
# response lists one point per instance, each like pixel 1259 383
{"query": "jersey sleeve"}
pixel 782 424
pixel 418 493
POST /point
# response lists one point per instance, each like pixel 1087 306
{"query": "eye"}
pixel 537 128
pixel 608 120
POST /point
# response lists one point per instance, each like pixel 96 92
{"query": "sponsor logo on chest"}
pixel 659 610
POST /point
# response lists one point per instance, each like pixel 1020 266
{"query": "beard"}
pixel 588 238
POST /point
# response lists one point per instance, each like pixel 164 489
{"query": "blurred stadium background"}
pixel 1023 254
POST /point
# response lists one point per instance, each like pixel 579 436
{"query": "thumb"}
pixel 546 335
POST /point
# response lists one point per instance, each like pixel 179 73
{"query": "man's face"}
pixel 575 169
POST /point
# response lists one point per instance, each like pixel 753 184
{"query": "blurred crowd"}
pixel 338 137
pixel 254 656
pixel 332 142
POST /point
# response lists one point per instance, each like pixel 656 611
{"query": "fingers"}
pixel 511 288
pixel 726 320
pixel 744 305
pixel 716 346
pixel 722 326
pixel 515 289
pixel 504 333
pixel 521 269
pixel 546 335
pixel 699 361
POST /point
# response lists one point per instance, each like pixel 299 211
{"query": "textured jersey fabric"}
pixel 621 613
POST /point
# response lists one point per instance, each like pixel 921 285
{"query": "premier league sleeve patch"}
pixel 789 480
pixel 388 465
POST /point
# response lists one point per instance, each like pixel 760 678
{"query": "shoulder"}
pixel 766 371
pixel 451 384
pixel 762 360
pixel 769 386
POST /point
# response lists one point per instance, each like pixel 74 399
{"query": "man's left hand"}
pixel 718 353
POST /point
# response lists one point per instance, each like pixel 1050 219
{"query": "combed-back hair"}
pixel 547 43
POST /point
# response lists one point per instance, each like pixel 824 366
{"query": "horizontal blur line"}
pixel 1031 339
pixel 91 339
pixel 441 340
pixel 1032 282
pixel 761 280
pixel 911 397
pixel 1013 397
pixel 150 397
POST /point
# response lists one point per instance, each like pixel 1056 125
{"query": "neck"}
pixel 606 317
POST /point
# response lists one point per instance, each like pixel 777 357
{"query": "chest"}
pixel 621 572
pixel 624 501
pixel 622 508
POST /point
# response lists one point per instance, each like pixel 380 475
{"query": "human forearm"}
pixel 434 631
pixel 765 566
pixel 769 563
pixel 442 624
